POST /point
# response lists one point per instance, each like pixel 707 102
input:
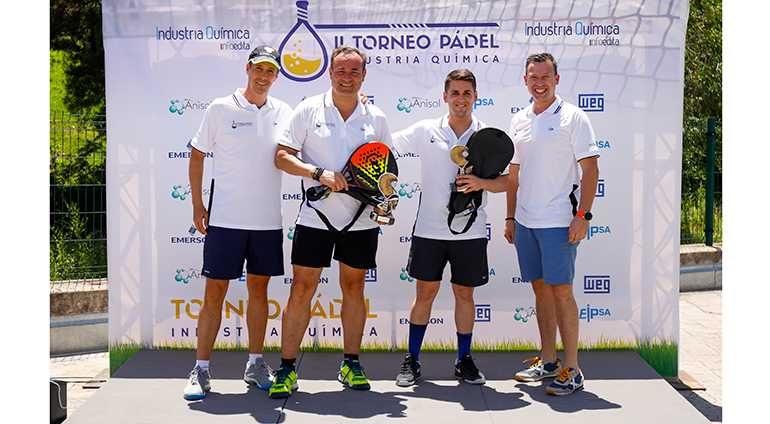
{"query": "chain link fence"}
pixel 695 188
pixel 78 215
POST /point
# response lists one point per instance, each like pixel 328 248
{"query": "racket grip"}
pixel 317 193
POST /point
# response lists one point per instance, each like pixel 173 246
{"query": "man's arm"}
pixel 200 215
pixel 513 188
pixel 578 229
pixel 287 160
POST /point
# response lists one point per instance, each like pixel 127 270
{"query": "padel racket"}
pixel 488 153
pixel 371 172
pixel 490 150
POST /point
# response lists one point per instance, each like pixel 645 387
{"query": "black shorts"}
pixel 467 260
pixel 313 248
pixel 225 250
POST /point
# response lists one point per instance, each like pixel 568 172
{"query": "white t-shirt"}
pixel 324 139
pixel 432 139
pixel 246 185
pixel 548 147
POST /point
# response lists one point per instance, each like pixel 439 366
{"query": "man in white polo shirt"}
pixel 243 220
pixel 549 206
pixel 433 243
pixel 325 130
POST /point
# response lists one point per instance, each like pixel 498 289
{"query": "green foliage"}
pixel 693 219
pixel 76 28
pixel 703 61
pixel 75 253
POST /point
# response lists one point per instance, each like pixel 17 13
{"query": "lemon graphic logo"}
pixel 303 54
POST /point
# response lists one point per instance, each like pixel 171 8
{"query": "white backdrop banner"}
pixel 620 61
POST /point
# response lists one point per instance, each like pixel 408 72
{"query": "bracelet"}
pixel 316 173
pixel 510 218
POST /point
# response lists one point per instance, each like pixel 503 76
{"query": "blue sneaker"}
pixel 568 381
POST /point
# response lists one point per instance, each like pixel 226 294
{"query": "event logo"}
pixel 597 229
pixel 604 34
pixel 181 192
pixel 483 102
pixel 304 58
pixel 290 236
pixel 596 284
pixel 519 280
pixel 180 106
pixel 409 190
pixel 185 275
pixel 591 102
pixel 589 313
pixel 404 276
pixel 483 313
pixel 405 104
pixel 371 275
pixel 303 53
pixel 524 314
pixel 600 189
pixel 235 125
pixel 189 240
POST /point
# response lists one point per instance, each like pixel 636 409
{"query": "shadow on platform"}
pixel 620 387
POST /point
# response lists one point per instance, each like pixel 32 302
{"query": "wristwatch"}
pixel 587 215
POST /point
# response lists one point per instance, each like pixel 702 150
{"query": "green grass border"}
pixel 663 356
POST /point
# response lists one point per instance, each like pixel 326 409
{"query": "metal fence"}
pixel 78 216
pixel 701 220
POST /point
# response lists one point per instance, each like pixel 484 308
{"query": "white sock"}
pixel 253 357
pixel 204 365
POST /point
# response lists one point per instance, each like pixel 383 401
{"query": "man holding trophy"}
pixel 441 144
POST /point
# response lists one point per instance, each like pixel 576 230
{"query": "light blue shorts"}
pixel 545 253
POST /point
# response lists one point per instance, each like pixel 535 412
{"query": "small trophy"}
pixel 459 156
pixel 387 183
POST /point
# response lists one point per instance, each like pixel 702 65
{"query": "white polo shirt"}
pixel 432 139
pixel 246 185
pixel 324 139
pixel 548 147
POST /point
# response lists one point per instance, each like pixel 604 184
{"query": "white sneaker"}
pixel 198 385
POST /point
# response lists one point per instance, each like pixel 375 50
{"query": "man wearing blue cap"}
pixel 243 220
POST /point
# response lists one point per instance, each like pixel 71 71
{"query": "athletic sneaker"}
pixel 569 380
pixel 284 383
pixel 539 370
pixel 198 385
pixel 352 373
pixel 410 371
pixel 466 370
pixel 260 374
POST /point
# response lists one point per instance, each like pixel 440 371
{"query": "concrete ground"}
pixel 700 356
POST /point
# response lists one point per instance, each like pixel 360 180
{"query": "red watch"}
pixel 587 215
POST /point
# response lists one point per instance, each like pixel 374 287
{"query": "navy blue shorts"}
pixel 545 253
pixel 313 248
pixel 225 250
pixel 467 260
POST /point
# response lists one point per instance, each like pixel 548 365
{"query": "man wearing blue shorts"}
pixel 243 220
pixel 549 209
